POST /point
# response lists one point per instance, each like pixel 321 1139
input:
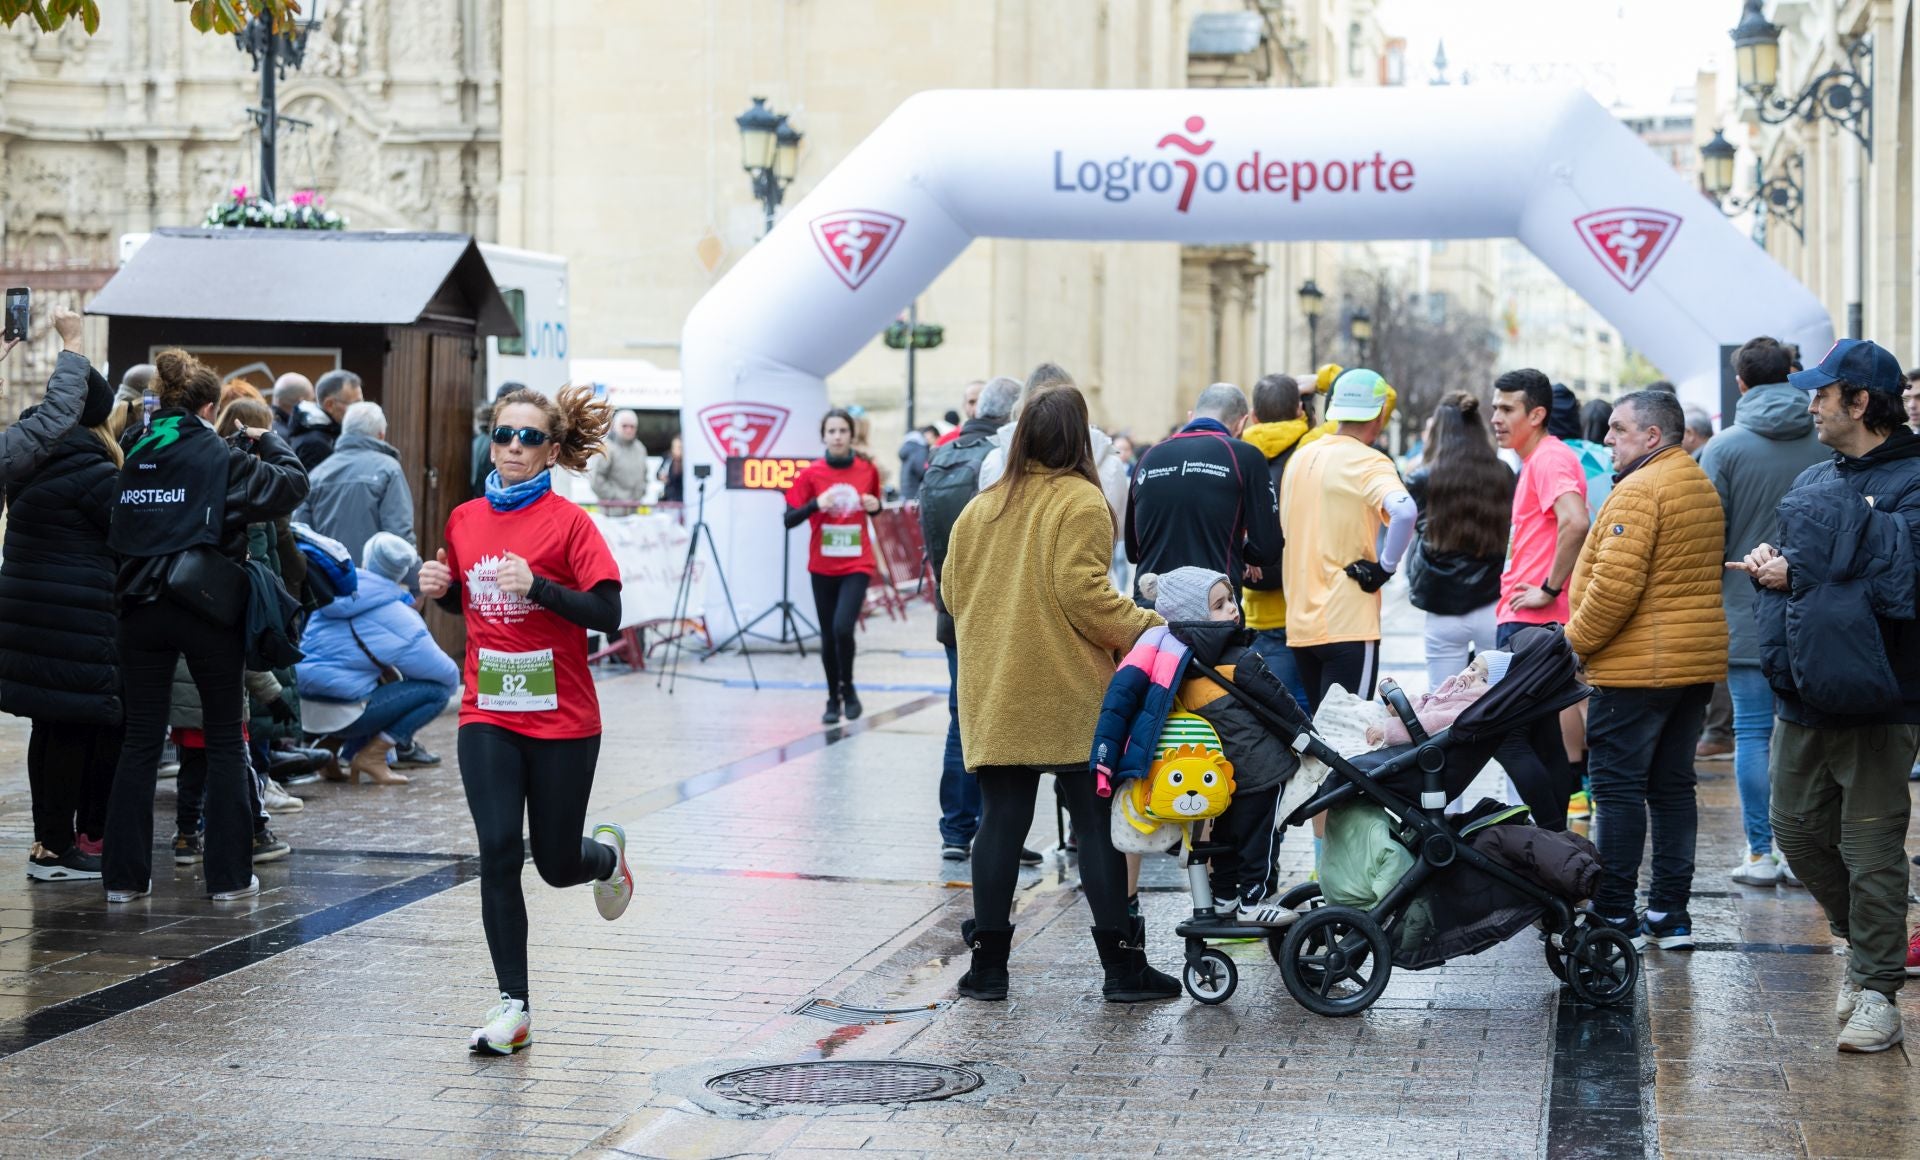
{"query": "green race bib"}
pixel 516 682
pixel 840 539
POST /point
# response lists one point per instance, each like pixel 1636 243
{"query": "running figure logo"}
pixel 855 242
pixel 1628 242
pixel 1195 125
pixel 742 429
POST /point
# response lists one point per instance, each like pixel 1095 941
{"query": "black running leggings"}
pixel 1006 814
pixel 837 601
pixel 508 775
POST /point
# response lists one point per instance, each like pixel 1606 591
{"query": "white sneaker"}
pixel 1848 998
pixel 1756 871
pixel 611 895
pixel 1268 913
pixel 508 1029
pixel 279 801
pixel 1225 908
pixel 1875 1025
pixel 1786 872
pixel 248 891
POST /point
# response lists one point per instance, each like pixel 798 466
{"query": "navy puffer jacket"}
pixel 1841 647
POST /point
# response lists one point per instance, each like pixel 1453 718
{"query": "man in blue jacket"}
pixel 1838 617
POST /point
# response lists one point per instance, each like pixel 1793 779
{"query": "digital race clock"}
pixel 763 472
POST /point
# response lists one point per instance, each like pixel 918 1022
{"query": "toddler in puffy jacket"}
pixel 1443 706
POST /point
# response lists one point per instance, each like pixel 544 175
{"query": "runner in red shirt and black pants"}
pixel 835 495
pixel 530 573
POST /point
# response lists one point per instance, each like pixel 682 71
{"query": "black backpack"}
pixel 952 479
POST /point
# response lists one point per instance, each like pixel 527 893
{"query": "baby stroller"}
pixel 1336 960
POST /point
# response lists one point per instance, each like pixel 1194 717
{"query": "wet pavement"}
pixel 777 861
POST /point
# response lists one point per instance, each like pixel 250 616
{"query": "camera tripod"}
pixel 671 672
pixel 791 618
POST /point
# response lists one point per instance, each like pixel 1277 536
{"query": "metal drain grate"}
pixel 844 1013
pixel 844 1081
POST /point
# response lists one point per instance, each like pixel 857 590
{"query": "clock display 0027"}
pixel 763 472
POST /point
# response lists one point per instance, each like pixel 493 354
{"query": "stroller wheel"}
pixel 1302 896
pixel 1602 967
pixel 1335 961
pixel 1211 977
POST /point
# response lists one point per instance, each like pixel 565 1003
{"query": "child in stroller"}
pixel 1473 882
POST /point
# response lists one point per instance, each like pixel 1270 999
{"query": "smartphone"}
pixel 19 309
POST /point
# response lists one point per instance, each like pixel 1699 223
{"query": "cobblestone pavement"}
pixel 776 862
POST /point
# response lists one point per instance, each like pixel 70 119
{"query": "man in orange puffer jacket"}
pixel 1648 625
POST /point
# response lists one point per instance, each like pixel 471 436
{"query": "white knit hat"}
pixel 1182 594
pixel 1497 663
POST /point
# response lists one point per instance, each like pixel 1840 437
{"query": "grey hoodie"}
pixel 1753 465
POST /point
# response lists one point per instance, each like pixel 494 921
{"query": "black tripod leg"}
pixel 727 590
pixel 671 671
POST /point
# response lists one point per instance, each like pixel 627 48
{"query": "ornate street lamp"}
pixel 1360 329
pixel 1312 302
pixel 1780 196
pixel 274 51
pixel 1841 95
pixel 769 152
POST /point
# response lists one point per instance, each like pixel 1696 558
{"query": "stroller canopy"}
pixel 1543 678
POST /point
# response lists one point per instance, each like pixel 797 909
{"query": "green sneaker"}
pixel 611 894
pixel 508 1029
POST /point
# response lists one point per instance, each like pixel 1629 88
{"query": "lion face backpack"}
pixel 1190 780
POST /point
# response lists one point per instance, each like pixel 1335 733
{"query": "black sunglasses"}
pixel 529 436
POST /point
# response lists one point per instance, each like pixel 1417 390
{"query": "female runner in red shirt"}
pixel 530 573
pixel 836 494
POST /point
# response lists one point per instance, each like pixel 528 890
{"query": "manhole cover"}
pixel 844 1081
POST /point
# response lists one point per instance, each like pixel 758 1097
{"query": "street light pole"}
pixel 1312 301
pixel 263 42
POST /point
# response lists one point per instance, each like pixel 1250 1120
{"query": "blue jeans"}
pixel 1752 738
pixel 1270 645
pixel 399 710
pixel 959 790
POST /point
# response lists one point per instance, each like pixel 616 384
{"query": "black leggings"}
pixel 837 601
pixel 70 775
pixel 1006 814
pixel 508 775
pixel 1354 665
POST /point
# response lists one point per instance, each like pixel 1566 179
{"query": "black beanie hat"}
pixel 99 402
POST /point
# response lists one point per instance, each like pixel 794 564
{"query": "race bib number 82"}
pixel 516 682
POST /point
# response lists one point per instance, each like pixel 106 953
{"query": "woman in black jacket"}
pixel 58 665
pixel 186 498
pixel 1465 495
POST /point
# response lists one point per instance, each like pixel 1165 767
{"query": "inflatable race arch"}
pixel 1548 166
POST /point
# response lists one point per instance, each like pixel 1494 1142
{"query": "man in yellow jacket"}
pixel 1647 623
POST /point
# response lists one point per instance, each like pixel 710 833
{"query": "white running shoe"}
pixel 612 894
pixel 1848 998
pixel 1875 1025
pixel 1268 913
pixel 279 801
pixel 1787 875
pixel 508 1029
pixel 1756 871
pixel 118 896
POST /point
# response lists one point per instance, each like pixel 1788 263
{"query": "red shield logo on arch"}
pixel 742 428
pixel 855 242
pixel 1629 242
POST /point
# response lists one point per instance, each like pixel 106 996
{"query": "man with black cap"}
pixel 1838 611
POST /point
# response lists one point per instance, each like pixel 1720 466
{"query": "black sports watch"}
pixel 1550 590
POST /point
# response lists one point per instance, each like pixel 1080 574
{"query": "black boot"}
pixel 832 715
pixel 987 978
pixel 852 700
pixel 1129 978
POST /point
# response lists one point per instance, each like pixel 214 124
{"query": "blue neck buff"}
pixel 502 497
pixel 1206 424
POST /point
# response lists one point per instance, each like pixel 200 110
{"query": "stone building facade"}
pixel 145 124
